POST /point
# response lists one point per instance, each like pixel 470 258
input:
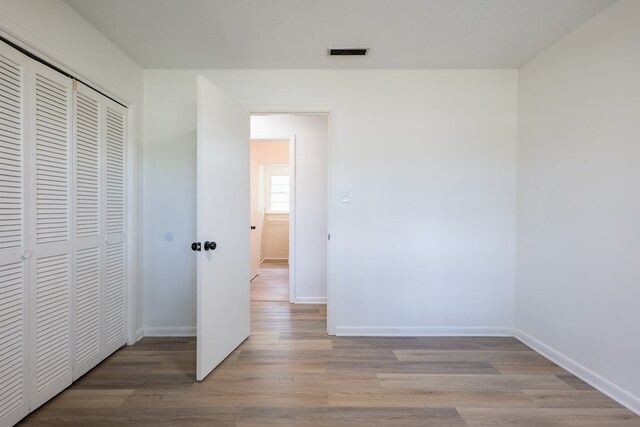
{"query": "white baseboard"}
pixel 182 331
pixel 422 331
pixel 139 334
pixel 615 392
pixel 310 300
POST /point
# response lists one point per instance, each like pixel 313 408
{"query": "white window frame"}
pixel 269 171
pixel 271 193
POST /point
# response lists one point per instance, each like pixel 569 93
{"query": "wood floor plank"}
pixel 319 355
pixel 571 399
pixel 430 382
pixel 276 344
pixel 396 367
pixel 472 343
pixel 430 399
pixel 436 417
pixel 304 335
pixel 86 399
pixel 227 397
pixel 575 382
pixel 269 370
pixel 527 417
pixel 138 417
pixel 112 379
pixel 491 356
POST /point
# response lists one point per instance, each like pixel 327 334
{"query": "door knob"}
pixel 210 246
pixel 253 227
pixel 196 246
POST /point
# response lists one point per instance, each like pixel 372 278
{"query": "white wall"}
pixel 51 29
pixel 427 244
pixel 54 28
pixel 273 227
pixel 578 280
pixel 310 198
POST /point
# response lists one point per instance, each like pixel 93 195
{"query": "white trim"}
pixel 139 335
pixel 170 331
pixel 292 218
pixel 131 227
pixel 423 331
pixel 310 300
pixel 602 384
pixel 332 202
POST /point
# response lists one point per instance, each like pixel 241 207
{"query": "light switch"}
pixel 345 196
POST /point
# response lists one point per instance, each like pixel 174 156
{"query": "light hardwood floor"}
pixel 289 372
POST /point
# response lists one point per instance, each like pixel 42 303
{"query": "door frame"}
pixel 332 193
pixel 292 204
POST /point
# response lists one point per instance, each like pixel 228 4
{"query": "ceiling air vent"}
pixel 349 51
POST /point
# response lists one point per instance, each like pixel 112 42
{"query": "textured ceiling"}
pixel 458 34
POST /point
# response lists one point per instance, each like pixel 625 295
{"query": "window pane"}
pixel 279 193
pixel 280 189
pixel 279 198
pixel 280 207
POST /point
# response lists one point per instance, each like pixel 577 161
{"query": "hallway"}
pixel 289 372
pixel 272 284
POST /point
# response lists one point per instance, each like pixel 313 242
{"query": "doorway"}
pixel 289 158
pixel 223 298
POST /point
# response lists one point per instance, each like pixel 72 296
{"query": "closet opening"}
pixel 64 246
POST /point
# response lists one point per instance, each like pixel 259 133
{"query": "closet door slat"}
pixel 52 160
pixel 87 306
pixel 115 171
pixel 53 320
pixel 12 339
pixel 11 156
pixel 87 138
pixel 115 312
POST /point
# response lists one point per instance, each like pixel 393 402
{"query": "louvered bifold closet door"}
pixel 14 254
pixel 114 177
pixel 88 206
pixel 51 232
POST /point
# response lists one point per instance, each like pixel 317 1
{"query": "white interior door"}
pixel 50 210
pixel 99 227
pixel 223 218
pixel 86 161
